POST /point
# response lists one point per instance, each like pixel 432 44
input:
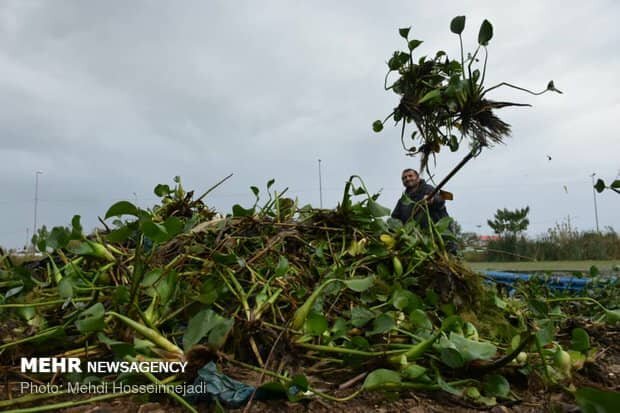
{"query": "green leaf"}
pixel 496 385
pixel 405 300
pixel 173 226
pixel 239 211
pixel 453 322
pixel 600 185
pixel 597 401
pixel 360 316
pixel 404 32
pixel 486 33
pixel 420 320
pixel 204 323
pixel 301 381
pixel 433 94
pixel 166 287
pixel 580 340
pixel 452 358
pixel 472 350
pixel 121 295
pixel 360 343
pixel 377 210
pixel 218 335
pixel 209 292
pixel 546 333
pixel 275 389
pixel 413 371
pixel 270 183
pixel 359 284
pixel 381 378
pixel 162 190
pixel 615 184
pixel 122 208
pixel 398 60
pixel 255 190
pixel 339 329
pixel 58 238
pixel 315 324
pixel 155 231
pixel 65 288
pixel 612 316
pixel 414 44
pixel 381 325
pixel 76 227
pixel 377 126
pixel 282 267
pixel 91 319
pixel 538 307
pixel 119 235
pixel 457 25
pixel 120 348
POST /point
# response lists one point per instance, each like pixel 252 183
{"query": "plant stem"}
pixel 30 398
pixel 152 334
pixel 592 300
pixel 353 352
pixel 166 388
pixel 44 303
pixel 542 359
pixel 66 405
pixel 288 379
pixel 43 334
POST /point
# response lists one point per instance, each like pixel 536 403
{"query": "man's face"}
pixel 410 179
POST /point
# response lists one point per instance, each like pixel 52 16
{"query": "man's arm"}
pixel 437 202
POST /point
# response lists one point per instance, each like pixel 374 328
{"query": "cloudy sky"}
pixel 108 99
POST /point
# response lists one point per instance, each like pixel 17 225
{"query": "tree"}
pixel 508 222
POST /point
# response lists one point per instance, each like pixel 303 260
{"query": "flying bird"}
pixel 549 157
pixel 565 188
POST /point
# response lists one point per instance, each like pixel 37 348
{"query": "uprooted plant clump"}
pixel 308 299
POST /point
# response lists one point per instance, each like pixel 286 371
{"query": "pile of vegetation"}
pixel 299 295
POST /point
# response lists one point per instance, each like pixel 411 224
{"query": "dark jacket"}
pixel 404 207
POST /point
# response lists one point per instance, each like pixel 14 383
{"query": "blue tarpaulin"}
pixel 554 281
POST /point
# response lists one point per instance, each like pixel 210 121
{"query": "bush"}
pixel 562 242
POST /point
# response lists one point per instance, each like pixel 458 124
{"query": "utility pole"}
pixel 320 186
pixel 36 200
pixel 595 206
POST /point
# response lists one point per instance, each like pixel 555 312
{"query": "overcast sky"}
pixel 108 99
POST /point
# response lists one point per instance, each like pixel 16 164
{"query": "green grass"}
pixel 564 266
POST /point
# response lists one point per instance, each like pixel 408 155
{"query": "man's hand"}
pixel 428 199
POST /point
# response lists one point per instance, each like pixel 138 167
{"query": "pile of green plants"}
pixel 298 295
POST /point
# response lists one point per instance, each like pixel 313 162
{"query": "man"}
pixel 417 190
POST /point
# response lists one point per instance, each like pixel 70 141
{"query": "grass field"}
pixel 564 266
